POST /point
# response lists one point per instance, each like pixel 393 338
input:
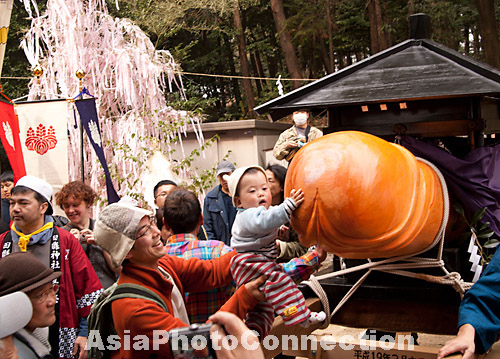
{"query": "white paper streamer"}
pixel 124 72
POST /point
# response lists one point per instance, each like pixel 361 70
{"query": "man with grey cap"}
pixel 35 279
pixel 33 230
pixel 15 314
pixel 134 242
pixel 218 210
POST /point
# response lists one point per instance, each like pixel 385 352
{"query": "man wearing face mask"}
pixel 295 137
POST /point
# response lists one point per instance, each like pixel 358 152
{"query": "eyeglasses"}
pixel 146 229
pixel 43 296
pixel 162 194
pixel 145 232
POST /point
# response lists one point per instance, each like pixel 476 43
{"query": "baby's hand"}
pixel 297 196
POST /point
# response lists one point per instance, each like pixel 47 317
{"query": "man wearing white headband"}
pixel 295 137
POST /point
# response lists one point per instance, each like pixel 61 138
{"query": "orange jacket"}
pixel 143 317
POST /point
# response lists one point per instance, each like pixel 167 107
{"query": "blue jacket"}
pixel 481 306
pixel 216 216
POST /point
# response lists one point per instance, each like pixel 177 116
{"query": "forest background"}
pixel 231 52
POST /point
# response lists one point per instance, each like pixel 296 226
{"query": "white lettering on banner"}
pixel 8 134
pixel 94 133
pixel 230 342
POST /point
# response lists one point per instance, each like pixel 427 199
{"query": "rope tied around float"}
pixel 398 265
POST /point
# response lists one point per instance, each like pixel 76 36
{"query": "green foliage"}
pixel 201 183
pixel 201 36
pixel 480 231
pixel 198 183
pixel 15 63
pixel 353 29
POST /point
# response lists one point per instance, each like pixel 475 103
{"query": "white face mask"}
pixel 300 118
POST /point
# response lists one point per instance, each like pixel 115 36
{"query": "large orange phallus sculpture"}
pixel 365 197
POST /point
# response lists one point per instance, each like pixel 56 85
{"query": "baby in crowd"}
pixel 254 232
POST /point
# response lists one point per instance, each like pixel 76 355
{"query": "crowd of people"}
pixel 217 262
pixel 182 252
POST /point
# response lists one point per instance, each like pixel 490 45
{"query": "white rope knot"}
pixel 455 276
pixel 457 282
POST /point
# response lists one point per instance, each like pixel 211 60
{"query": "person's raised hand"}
pixel 284 233
pixel 231 338
pixel 291 144
pixel 75 232
pixel 321 253
pixel 87 236
pixel 297 196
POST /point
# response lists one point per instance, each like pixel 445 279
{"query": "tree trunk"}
pixel 341 58
pixel 260 68
pixel 466 41
pixel 382 38
pixel 386 20
pixel 477 43
pixel 324 55
pixel 234 81
pixel 329 21
pixel 273 61
pixel 222 84
pixel 489 31
pixel 411 7
pixel 256 72
pixel 373 28
pixel 245 67
pixel 292 63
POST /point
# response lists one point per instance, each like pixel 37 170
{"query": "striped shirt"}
pixel 201 305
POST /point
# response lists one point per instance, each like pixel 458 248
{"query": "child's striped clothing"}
pixel 282 295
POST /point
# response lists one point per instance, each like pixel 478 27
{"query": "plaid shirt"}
pixel 201 305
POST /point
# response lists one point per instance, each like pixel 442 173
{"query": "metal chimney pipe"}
pixel 420 26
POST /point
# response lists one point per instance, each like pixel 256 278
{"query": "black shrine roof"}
pixel 415 69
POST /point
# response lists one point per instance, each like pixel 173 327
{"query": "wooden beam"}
pixel 425 129
pixel 330 347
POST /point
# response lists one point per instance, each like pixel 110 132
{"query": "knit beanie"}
pixel 22 271
pixel 116 228
pixel 234 179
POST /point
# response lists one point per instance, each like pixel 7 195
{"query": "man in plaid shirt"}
pixel 182 216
